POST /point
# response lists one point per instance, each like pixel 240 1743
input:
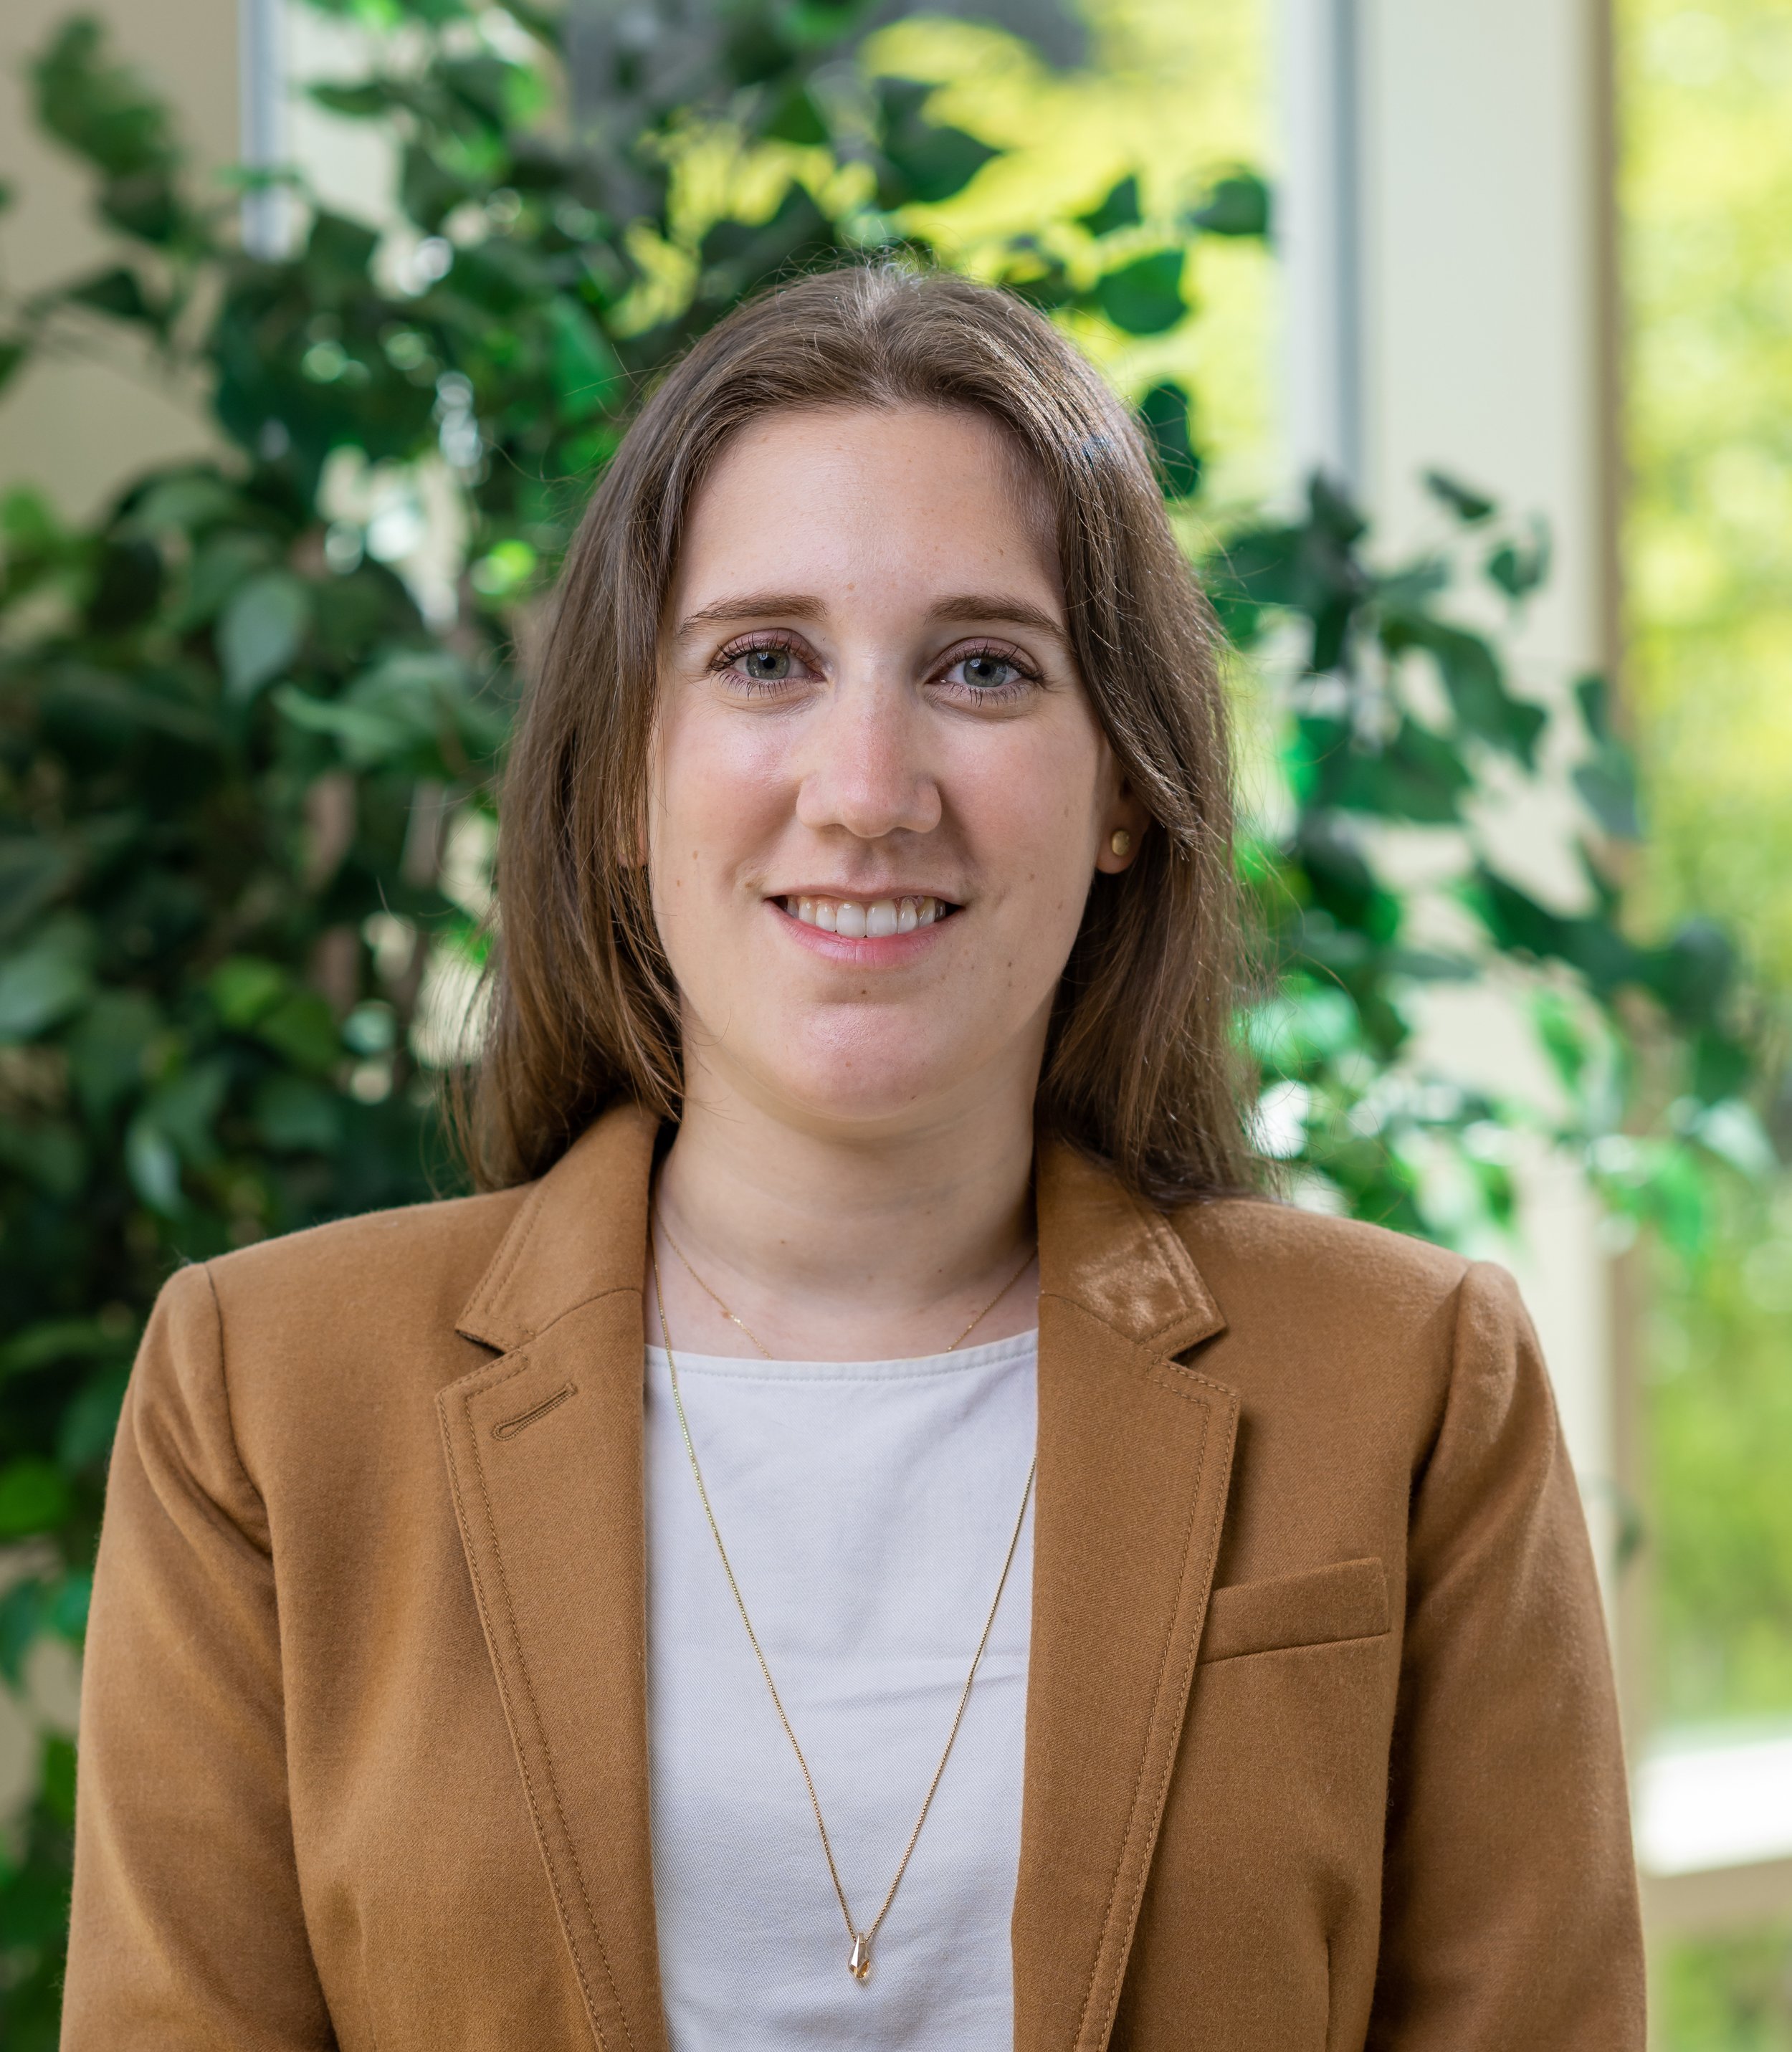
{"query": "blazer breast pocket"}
pixel 1318 1607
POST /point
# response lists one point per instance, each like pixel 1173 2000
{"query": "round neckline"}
pixel 992 1353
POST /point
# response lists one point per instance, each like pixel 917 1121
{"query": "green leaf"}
pixel 222 562
pixel 1416 775
pixel 1145 296
pixel 55 1340
pixel 360 99
pixel 102 704
pixel 91 1420
pixel 296 1117
pixel 1164 410
pixel 1607 781
pixel 302 1028
pixel 34 1498
pixel 21 1619
pixel 1519 568
pixel 183 504
pixel 186 1110
pixel 104 112
pixel 33 871
pixel 56 1778
pixel 1561 1032
pixel 798 118
pixel 1237 205
pixel 739 255
pixel 13 355
pixel 260 630
pixel 244 988
pixel 108 1048
pixel 98 109
pixel 153 1164
pixel 127 587
pixel 924 162
pixel 1120 210
pixel 119 294
pixel 1469 507
pixel 42 982
pixel 587 374
pixel 1472 679
pixel 338 254
pixel 1521 925
pixel 414 708
pixel 1609 788
pixel 45 1152
pixel 70 1601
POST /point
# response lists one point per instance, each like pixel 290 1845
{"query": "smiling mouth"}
pixel 868 919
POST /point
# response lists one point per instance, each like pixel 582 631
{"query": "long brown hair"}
pixel 1140 1072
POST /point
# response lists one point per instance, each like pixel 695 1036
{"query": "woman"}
pixel 673 1598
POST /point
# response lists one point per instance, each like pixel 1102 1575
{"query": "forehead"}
pixel 859 500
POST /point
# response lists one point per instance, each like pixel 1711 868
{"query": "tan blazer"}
pixel 1321 1744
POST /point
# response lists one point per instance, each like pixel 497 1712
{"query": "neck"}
pixel 833 1245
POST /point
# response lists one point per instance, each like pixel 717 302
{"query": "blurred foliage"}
pixel 250 716
pixel 1379 892
pixel 1720 1410
pixel 1731 1992
pixel 1705 192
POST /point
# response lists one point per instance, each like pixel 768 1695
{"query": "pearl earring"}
pixel 1120 841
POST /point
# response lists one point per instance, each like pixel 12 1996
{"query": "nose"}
pixel 865 769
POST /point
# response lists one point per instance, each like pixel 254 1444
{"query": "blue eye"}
pixel 988 672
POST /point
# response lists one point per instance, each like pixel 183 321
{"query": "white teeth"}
pixel 857 921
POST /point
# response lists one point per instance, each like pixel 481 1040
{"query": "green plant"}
pixel 1394 720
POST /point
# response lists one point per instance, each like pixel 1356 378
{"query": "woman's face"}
pixel 879 794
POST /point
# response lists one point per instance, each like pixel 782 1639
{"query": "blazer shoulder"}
pixel 419 1262
pixel 1253 1249
pixel 450 1228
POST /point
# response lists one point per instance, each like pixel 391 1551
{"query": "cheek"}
pixel 1031 819
pixel 718 792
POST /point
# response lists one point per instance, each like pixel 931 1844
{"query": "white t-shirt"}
pixel 867 1507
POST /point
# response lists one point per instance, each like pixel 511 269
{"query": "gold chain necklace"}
pixel 734 1319
pixel 858 1959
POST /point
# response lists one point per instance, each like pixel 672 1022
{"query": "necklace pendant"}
pixel 858 1960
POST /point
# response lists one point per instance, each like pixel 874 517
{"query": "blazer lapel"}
pixel 544 1452
pixel 1134 1457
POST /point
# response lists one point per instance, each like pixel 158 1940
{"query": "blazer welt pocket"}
pixel 1315 1607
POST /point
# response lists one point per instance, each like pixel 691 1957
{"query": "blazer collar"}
pixel 544 1450
pixel 581 1231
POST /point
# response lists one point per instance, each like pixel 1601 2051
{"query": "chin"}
pixel 871 1082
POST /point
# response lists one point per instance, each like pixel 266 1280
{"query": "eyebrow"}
pixel 962 606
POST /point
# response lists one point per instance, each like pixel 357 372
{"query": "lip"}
pixel 887 951
pixel 862 894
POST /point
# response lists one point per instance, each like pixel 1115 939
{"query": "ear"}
pixel 1124 824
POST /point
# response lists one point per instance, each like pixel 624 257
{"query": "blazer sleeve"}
pixel 187 1928
pixel 1510 1911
